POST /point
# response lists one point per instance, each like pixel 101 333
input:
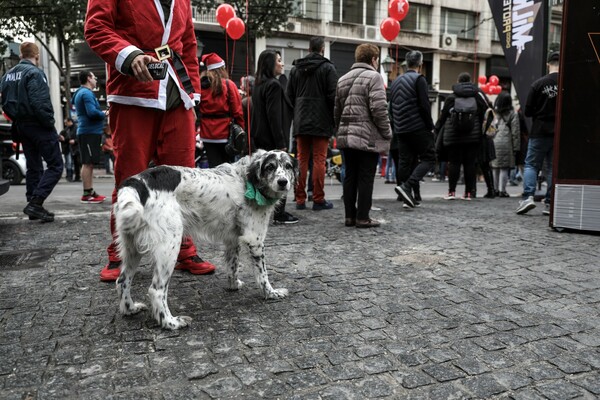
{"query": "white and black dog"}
pixel 231 204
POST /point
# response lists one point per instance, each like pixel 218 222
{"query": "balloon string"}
pixel 396 58
pixel 226 49
pixel 247 88
pixel 232 57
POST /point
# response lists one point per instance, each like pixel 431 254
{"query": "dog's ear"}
pixel 296 168
pixel 253 170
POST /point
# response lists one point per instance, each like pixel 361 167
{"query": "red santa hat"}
pixel 212 61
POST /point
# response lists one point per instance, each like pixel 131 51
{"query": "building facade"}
pixel 454 35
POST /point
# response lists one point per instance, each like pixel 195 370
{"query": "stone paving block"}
pixel 443 372
pixel 345 371
pixel 220 387
pixel 453 311
pixel 542 371
pixel 590 382
pixel 483 386
pixel 560 389
pixel 412 379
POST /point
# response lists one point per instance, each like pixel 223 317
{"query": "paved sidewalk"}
pixel 455 299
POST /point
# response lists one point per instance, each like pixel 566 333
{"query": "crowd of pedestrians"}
pixel 155 121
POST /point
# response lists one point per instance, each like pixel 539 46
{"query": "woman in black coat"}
pixel 267 121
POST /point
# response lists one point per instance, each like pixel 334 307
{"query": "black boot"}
pixel 35 210
pixel 489 183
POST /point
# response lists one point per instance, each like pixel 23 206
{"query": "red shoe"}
pixel 111 271
pixel 93 198
pixel 195 265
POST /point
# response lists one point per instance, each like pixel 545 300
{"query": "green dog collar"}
pixel 255 195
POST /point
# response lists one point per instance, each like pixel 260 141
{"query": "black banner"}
pixel 522 28
pixel 577 144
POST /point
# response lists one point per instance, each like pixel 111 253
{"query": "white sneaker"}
pixel 526 205
pixel 546 210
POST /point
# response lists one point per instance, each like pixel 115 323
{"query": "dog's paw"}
pixel 237 285
pixel 174 323
pixel 128 308
pixel 277 294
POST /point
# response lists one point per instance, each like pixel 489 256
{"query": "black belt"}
pixel 216 116
pixel 182 73
pixel 179 69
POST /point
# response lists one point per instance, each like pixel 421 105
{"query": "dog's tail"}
pixel 129 215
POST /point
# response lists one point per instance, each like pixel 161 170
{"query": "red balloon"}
pixel 482 79
pixel 484 87
pixel 224 13
pixel 236 28
pixel 497 89
pixel 398 9
pixel 490 89
pixel 494 80
pixel 390 28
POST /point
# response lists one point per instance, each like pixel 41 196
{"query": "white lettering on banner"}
pixel 524 13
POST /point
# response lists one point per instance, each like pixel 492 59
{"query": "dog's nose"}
pixel 282 182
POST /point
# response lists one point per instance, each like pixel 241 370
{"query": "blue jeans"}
pixel 41 143
pixel 538 150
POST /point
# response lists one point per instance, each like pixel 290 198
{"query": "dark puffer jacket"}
pixel 311 91
pixel 464 89
pixel 26 96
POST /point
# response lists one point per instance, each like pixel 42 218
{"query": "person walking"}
pixel 363 132
pixel 26 101
pixel 66 137
pixel 221 102
pixel 461 120
pixel 150 119
pixel 311 91
pixel 413 126
pixel 506 142
pixel 90 127
pixel 266 122
pixel 541 107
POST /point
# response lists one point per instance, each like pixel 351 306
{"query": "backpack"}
pixel 462 115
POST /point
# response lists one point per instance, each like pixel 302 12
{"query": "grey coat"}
pixel 507 140
pixel 360 113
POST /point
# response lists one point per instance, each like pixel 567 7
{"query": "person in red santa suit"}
pixel 151 119
pixel 221 102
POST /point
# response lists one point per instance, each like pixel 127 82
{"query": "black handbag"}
pixel 237 141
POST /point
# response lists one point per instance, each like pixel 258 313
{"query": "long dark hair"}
pixel 266 66
pixel 503 103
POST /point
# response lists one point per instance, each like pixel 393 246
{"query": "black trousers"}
pixel 358 182
pixel 216 154
pixel 414 148
pixel 464 154
pixel 41 143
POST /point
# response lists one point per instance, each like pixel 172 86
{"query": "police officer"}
pixel 26 101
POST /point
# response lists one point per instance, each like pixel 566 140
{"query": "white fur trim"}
pixel 215 66
pixel 122 56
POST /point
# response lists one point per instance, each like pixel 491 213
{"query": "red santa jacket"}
pixel 116 28
pixel 215 111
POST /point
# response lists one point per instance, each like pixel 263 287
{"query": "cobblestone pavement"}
pixel 452 300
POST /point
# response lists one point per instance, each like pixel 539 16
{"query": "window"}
pixel 353 11
pixel 460 23
pixel 554 34
pixel 288 55
pixel 418 19
pixel 306 8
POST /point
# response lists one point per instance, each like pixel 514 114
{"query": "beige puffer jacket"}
pixel 360 112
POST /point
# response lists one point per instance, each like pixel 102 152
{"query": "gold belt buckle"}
pixel 163 52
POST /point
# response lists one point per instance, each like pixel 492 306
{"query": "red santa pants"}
pixel 141 135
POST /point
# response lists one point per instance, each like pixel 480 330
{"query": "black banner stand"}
pixel 576 166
